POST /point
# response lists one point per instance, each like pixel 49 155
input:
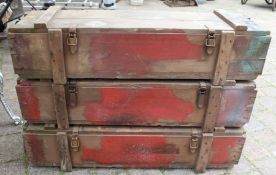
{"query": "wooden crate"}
pixel 62 44
pixel 136 89
pixel 133 147
pixel 140 103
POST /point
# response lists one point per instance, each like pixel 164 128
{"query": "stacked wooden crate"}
pixel 136 88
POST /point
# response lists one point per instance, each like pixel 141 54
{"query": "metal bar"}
pixel 17 120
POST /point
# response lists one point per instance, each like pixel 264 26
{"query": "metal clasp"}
pixel 210 42
pixel 201 94
pixel 72 90
pixel 194 144
pixel 75 142
pixel 72 40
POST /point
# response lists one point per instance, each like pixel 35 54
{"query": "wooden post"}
pixel 204 152
pixel 221 69
pixel 64 152
pixel 57 56
pixel 212 110
pixel 59 77
pixel 60 106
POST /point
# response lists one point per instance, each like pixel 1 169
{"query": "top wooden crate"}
pixel 62 44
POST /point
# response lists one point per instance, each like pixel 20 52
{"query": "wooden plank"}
pixel 213 109
pixel 64 151
pixel 57 56
pixel 204 152
pixel 245 61
pixel 173 103
pixel 223 60
pixel 135 147
pixel 43 20
pixel 60 106
pixel 231 20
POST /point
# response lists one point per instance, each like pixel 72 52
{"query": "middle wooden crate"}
pixel 140 103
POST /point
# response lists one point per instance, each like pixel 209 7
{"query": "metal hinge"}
pixel 194 143
pixel 75 141
pixel 210 42
pixel 72 40
pixel 201 94
pixel 72 91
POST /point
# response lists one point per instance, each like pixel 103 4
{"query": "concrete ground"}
pixel 259 154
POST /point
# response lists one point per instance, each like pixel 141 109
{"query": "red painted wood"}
pixel 222 148
pixel 29 102
pixel 138 151
pixel 135 53
pixel 35 147
pixel 134 106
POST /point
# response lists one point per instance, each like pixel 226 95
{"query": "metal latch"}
pixel 72 40
pixel 75 142
pixel 201 94
pixel 194 144
pixel 72 90
pixel 210 42
pixel 219 129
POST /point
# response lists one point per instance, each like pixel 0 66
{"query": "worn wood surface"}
pixel 213 109
pixel 163 45
pixel 64 151
pixel 204 153
pixel 139 103
pixel 223 60
pixel 234 22
pixel 133 147
pixel 41 23
pixel 57 56
pixel 60 106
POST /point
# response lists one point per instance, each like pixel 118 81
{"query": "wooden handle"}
pixel 231 20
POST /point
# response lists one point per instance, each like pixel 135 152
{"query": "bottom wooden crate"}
pixel 132 147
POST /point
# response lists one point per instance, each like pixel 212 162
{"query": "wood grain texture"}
pixel 57 56
pixel 61 112
pixel 204 152
pixel 157 45
pixel 64 151
pixel 213 108
pixel 223 59
pixel 127 103
pixel 234 22
pixel 142 147
pixel 42 22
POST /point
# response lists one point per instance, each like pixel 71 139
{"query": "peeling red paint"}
pixel 222 149
pixel 136 106
pixel 29 103
pixel 138 151
pixel 134 53
pixel 35 145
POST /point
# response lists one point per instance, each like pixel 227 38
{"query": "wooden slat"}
pixel 204 152
pixel 57 56
pixel 64 152
pixel 60 106
pixel 223 60
pixel 169 147
pixel 213 108
pixel 42 22
pixel 231 20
